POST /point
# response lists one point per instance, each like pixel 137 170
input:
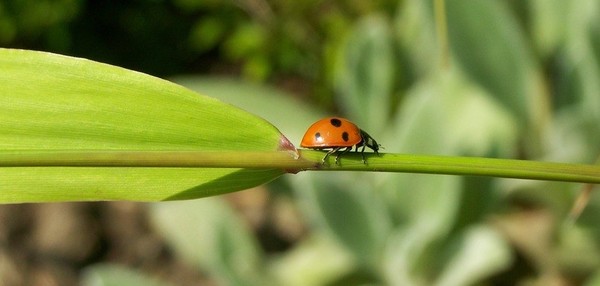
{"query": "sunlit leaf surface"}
pixel 52 102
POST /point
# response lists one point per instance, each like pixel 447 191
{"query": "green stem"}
pixel 468 166
pixel 165 159
pixel 308 160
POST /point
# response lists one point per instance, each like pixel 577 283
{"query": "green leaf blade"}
pixel 86 105
pixel 133 184
pixel 53 102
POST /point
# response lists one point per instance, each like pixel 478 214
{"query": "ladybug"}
pixel 337 134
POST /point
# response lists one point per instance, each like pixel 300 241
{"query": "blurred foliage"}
pixel 523 82
pixel 30 22
pixel 265 39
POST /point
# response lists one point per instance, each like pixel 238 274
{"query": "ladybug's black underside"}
pixel 366 141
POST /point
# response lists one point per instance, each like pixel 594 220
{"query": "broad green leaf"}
pixel 346 208
pixel 447 114
pixel 479 253
pixel 465 266
pixel 488 43
pixel 490 46
pixel 548 20
pixel 207 233
pixel 415 29
pixel 577 59
pixel 427 206
pixel 365 76
pixel 583 32
pixel 404 262
pixel 579 131
pixel 316 260
pixel 53 102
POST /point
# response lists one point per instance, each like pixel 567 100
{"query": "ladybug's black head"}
pixel 368 141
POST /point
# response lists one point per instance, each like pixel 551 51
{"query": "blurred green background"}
pixel 521 80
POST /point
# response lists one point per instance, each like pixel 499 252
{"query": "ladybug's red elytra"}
pixel 337 134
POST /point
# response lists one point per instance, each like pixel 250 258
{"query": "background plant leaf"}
pixel 208 234
pixel 490 47
pixel 114 275
pixel 365 76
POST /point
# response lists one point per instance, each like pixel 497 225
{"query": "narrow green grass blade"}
pixel 52 102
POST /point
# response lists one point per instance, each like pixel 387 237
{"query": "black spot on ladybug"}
pixel 336 122
pixel 345 136
pixel 317 136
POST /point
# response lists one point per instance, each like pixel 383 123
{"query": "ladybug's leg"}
pixel 329 153
pixel 362 153
pixel 337 157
